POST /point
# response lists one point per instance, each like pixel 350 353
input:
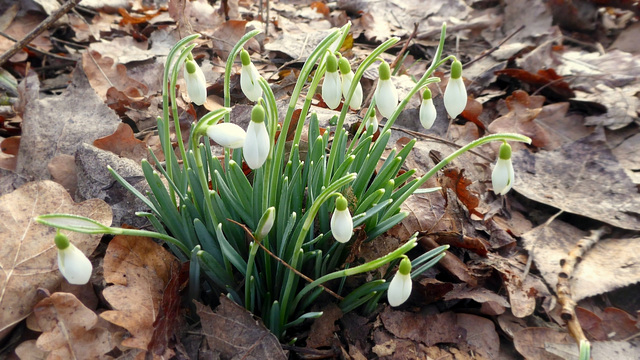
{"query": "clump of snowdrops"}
pixel 277 239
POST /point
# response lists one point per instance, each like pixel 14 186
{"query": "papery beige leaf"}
pixel 70 329
pixel 139 270
pixel 28 258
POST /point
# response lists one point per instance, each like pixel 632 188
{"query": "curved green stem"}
pixel 227 70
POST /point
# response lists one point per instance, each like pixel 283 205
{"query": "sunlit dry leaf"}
pixel 70 329
pixel 103 73
pixel 610 264
pixel 233 332
pixel 531 342
pixel 123 142
pixel 590 174
pixel 28 257
pixel 28 350
pixel 139 270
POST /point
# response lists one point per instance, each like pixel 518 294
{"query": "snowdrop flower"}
pixel 256 145
pixel 386 94
pixel 427 110
pixel 249 78
pixel 347 79
pixel 331 85
pixel 455 95
pixel 400 286
pixel 227 134
pixel 371 121
pixel 265 224
pixel 502 175
pixel 196 83
pixel 72 262
pixel 341 222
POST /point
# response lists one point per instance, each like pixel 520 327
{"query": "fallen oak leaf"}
pixel 139 270
pixel 123 142
pixel 70 329
pixel 28 257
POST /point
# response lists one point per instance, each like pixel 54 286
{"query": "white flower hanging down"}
pixel 256 144
pixel 386 94
pixel 371 120
pixel 401 284
pixel 341 221
pixel 503 175
pixel 331 85
pixel 196 83
pixel 428 111
pixel 347 79
pixel 73 263
pixel 227 134
pixel 249 78
pixel 455 94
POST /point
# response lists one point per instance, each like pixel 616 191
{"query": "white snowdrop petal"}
pixel 256 145
pixel 399 289
pixel 74 265
pixel 342 225
pixel 428 113
pixel 227 134
pixel 386 97
pixel 455 97
pixel 249 82
pixel 332 89
pixel 196 85
pixel 356 99
pixel 502 176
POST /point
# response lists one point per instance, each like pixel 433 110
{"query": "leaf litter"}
pixel 579 105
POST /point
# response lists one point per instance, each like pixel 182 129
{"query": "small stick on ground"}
pixel 563 288
pixel 38 30
pixel 404 48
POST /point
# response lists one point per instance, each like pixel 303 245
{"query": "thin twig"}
pixel 488 52
pixel 33 48
pixel 406 45
pixel 563 288
pixel 38 30
pixel 310 280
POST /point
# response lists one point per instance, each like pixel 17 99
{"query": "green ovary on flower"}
pixel 386 94
pixel 196 82
pixel 428 111
pixel 455 94
pixel 249 78
pixel 73 263
pixel 257 142
pixel 401 284
pixel 341 221
pixel 503 175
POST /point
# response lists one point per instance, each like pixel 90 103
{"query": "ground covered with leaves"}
pixel 527 275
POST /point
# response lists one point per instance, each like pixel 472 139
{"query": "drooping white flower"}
pixel 386 94
pixel 227 134
pixel 455 94
pixel 73 263
pixel 196 83
pixel 401 284
pixel 428 111
pixel 371 120
pixel 347 79
pixel 249 78
pixel 266 223
pixel 332 85
pixel 502 176
pixel 341 221
pixel 256 144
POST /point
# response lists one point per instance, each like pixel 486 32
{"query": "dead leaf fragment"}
pixel 28 258
pixel 532 342
pixel 123 142
pixel 139 270
pixel 428 329
pixel 70 329
pixel 233 331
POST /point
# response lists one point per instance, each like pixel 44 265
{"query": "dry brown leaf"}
pixel 123 142
pixel 323 329
pixel 576 177
pixel 28 350
pixel 428 329
pixel 19 28
pixel 70 329
pixel 139 270
pixel 63 171
pixel 103 73
pixel 532 342
pixel 481 334
pixel 27 256
pixel 609 265
pixel 234 332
